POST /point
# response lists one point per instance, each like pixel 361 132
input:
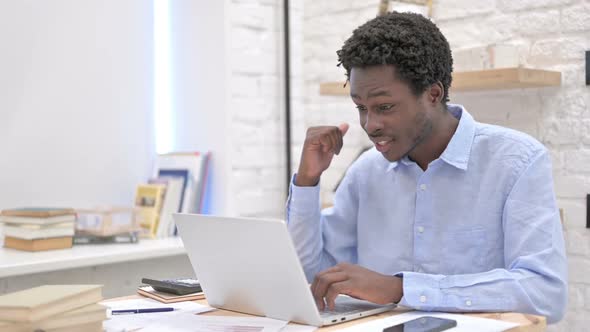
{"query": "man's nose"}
pixel 373 123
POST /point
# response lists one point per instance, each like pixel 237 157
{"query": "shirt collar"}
pixel 459 148
pixel 390 165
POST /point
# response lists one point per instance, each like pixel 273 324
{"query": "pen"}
pixel 140 311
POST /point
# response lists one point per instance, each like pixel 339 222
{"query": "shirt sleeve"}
pixel 322 238
pixel 534 279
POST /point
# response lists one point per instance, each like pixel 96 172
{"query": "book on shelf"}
pixel 38 244
pixel 81 238
pixel 38 228
pixel 196 164
pixel 35 304
pixel 149 199
pixel 76 318
pixel 38 231
pixel 38 212
pixel 148 291
pixel 172 203
pixel 37 215
pixel 182 175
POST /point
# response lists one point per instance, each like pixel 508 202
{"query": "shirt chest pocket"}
pixel 464 251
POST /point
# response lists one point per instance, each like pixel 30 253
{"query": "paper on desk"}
pixel 298 328
pixel 185 306
pixel 135 321
pixel 464 323
pixel 190 323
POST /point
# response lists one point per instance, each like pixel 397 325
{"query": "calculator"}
pixel 180 286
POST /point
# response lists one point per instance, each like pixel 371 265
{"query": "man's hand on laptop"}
pixel 356 281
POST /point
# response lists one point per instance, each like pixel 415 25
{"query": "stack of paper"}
pixel 186 323
pixel 137 321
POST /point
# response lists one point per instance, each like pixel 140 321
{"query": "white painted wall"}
pixel 199 77
pixel 76 124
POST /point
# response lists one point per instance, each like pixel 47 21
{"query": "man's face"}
pixel 394 118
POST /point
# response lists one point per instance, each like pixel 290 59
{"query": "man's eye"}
pixel 386 107
pixel 361 108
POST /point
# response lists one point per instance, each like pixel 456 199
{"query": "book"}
pixel 196 164
pixel 172 203
pixel 148 291
pixel 183 175
pixel 38 244
pixel 91 313
pixel 67 224
pixel 38 220
pixel 149 199
pixel 37 303
pixel 38 212
pixel 30 232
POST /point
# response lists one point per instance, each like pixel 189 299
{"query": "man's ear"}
pixel 435 93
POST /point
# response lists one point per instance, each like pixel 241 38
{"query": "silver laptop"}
pixel 250 265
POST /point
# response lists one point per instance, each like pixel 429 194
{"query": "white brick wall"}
pixel 257 103
pixel 551 34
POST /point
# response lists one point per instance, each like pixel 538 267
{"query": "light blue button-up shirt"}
pixel 479 230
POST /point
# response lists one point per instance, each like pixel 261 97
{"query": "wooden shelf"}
pixel 507 78
pixel 334 89
pixel 491 79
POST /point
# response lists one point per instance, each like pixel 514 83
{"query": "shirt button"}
pixel 420 229
pixel 468 303
pixel 423 299
pixel 423 187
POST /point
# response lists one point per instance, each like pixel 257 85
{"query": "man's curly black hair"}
pixel 410 42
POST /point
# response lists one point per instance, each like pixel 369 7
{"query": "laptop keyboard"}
pixel 342 308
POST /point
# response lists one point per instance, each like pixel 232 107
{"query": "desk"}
pixel 528 323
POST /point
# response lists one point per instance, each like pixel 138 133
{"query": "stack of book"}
pixel 53 308
pixel 37 229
